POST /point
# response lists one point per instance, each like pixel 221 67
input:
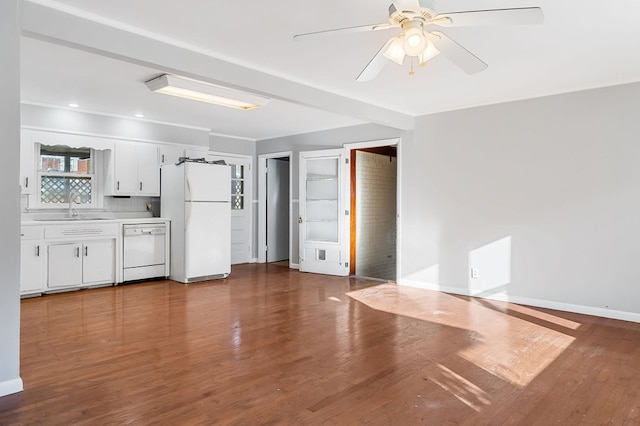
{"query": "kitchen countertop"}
pixel 63 221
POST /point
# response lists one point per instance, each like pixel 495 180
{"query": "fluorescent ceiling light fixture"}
pixel 205 92
pixel 74 105
pixel 138 115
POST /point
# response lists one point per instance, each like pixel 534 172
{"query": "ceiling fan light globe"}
pixel 428 53
pixel 395 51
pixel 414 41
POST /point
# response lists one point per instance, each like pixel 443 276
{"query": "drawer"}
pixel 31 232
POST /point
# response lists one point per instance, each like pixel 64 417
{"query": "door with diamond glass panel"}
pixel 241 204
pixel 323 220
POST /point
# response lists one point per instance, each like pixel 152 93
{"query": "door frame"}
pixel 249 192
pixel 378 143
pixel 262 204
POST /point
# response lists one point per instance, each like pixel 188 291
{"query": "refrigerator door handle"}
pixel 187 219
pixel 187 196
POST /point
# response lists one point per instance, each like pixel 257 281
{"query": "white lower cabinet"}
pixel 81 264
pixel 31 266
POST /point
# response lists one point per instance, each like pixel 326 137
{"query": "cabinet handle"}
pixel 26 182
pixel 77 251
pixel 86 250
pixel 162 158
pixel 118 185
pixel 140 186
pixel 37 251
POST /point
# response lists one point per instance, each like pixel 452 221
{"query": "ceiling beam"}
pixel 87 32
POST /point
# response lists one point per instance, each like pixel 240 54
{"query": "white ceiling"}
pixel 582 44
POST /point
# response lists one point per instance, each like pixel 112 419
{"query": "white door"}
pixel 148 169
pixel 65 265
pixel 324 220
pixel 277 209
pixel 31 266
pixel 241 205
pixel 126 168
pixel 98 262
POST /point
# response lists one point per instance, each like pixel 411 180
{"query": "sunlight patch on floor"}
pixel 509 347
pixel 461 388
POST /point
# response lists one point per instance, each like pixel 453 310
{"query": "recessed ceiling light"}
pixel 138 115
pixel 74 105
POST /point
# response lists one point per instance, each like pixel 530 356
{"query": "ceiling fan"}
pixel 420 38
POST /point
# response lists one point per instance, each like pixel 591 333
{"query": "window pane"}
pixel 59 190
pixel 237 171
pixel 237 187
pixel 65 159
pixel 237 202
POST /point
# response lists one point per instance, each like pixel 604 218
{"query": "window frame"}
pixel 94 176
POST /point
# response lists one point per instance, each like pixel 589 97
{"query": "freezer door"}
pixel 207 239
pixel 207 182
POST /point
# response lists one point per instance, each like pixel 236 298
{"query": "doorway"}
pixel 374 199
pixel 278 220
pixel 274 226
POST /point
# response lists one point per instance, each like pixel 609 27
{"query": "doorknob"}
pixel 300 219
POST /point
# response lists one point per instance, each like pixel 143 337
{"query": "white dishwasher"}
pixel 143 251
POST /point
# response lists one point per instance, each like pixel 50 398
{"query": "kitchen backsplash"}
pixel 111 204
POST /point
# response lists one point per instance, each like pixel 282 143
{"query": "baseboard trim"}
pixel 11 386
pixel 538 303
pixel 294 265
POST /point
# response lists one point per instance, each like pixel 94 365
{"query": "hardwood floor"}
pixel 270 345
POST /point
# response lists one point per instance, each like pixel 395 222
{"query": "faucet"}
pixel 73 199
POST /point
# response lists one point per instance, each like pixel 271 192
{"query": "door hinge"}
pixel 266 248
pixel 346 212
pixel 346 161
pixel 346 264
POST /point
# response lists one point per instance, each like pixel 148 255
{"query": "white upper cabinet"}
pixel 132 169
pixel 27 163
pixel 170 154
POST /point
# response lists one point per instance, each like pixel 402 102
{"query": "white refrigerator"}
pixel 196 197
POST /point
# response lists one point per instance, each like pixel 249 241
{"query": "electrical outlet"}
pixel 474 272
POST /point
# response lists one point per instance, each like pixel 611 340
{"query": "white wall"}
pixel 376 186
pixel 10 381
pixel 541 196
pixel 328 139
pixel 104 125
pixel 232 145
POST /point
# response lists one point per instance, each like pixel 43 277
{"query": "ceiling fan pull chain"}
pixel 411 70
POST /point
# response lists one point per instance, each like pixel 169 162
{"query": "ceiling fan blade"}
pixel 516 16
pixel 375 65
pixel 373 27
pixel 457 54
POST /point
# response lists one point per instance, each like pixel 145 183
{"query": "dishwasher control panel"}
pixel 144 229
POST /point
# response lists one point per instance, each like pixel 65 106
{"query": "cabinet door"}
pixel 31 267
pixel 170 154
pixel 148 170
pixel 98 262
pixel 126 169
pixel 27 163
pixel 65 265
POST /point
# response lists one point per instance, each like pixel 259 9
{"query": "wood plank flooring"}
pixel 270 345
